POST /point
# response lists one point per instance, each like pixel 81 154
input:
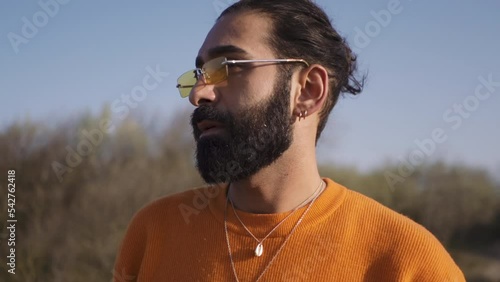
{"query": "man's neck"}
pixel 279 187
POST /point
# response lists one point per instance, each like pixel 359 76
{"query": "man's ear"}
pixel 314 90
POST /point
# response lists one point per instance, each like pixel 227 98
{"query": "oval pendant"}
pixel 259 250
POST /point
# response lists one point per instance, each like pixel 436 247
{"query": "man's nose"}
pixel 202 93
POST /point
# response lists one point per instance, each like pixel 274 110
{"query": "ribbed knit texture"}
pixel 345 236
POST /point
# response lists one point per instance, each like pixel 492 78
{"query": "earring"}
pixel 302 115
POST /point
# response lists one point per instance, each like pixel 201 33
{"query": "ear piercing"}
pixel 302 115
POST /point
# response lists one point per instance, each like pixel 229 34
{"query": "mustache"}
pixel 205 112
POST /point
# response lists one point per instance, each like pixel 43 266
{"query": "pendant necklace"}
pixel 259 249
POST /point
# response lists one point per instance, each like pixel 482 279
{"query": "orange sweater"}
pixel 345 236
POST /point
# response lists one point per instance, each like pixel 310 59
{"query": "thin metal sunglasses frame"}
pixel 199 72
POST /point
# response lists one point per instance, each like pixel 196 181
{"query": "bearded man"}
pixel 267 77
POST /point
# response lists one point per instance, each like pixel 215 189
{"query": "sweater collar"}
pixel 260 224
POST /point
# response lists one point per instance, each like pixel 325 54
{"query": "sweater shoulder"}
pixel 382 217
pixel 407 244
pixel 178 206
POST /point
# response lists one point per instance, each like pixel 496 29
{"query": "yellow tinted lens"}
pixel 185 83
pixel 215 71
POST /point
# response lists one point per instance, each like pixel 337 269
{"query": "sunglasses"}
pixel 216 70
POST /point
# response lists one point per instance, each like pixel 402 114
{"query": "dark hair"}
pixel 302 30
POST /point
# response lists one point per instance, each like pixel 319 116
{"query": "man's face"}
pixel 251 110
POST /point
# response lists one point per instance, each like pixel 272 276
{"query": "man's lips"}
pixel 206 126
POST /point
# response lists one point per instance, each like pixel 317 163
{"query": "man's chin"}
pixel 214 177
pixel 211 158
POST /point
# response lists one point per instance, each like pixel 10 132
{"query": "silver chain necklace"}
pixel 282 245
pixel 259 249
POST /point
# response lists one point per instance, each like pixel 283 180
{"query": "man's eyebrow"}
pixel 220 51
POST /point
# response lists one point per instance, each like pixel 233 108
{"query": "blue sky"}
pixel 423 60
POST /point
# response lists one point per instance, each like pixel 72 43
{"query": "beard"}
pixel 251 140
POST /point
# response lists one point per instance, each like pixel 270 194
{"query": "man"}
pixel 266 78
